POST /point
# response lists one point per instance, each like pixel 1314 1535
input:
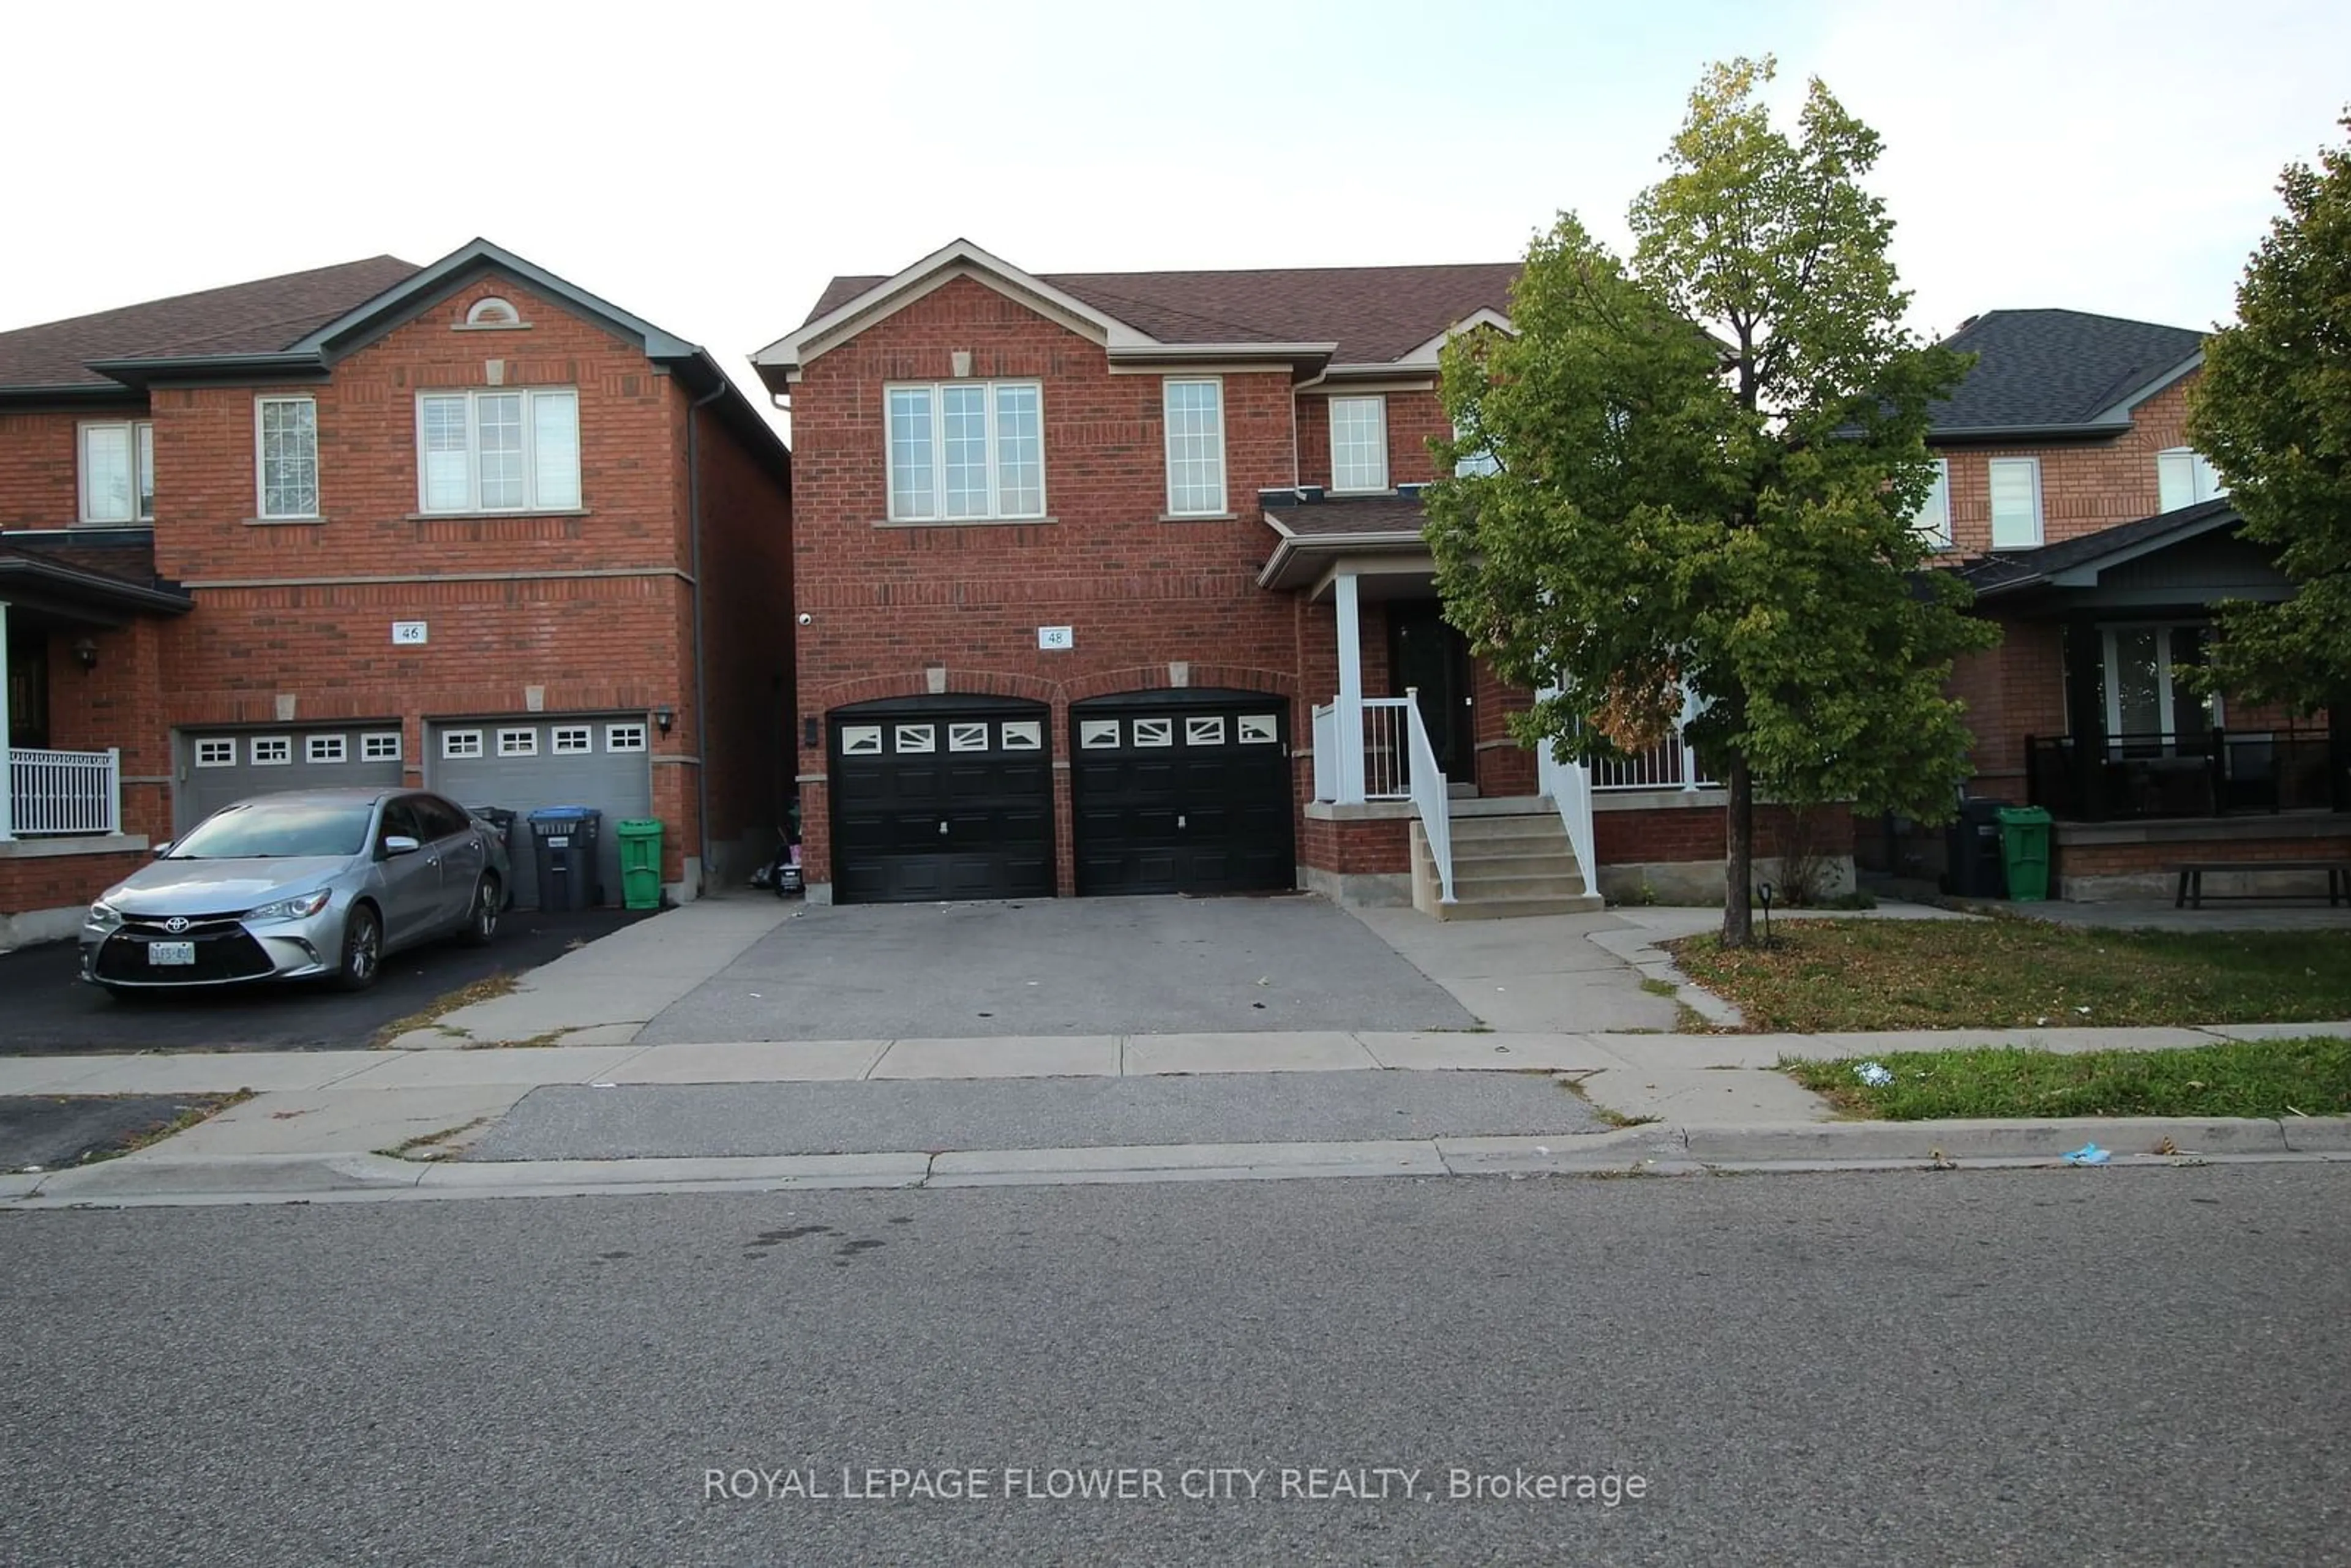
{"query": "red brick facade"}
pixel 593 606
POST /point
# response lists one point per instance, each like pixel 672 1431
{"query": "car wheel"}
pixel 481 920
pixel 362 949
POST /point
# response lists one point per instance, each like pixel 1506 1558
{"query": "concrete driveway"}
pixel 1060 966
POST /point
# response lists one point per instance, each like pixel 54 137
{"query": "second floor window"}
pixel 1195 448
pixel 118 472
pixel 2015 503
pixel 966 450
pixel 492 450
pixel 287 433
pixel 1359 444
pixel 2184 478
pixel 1933 523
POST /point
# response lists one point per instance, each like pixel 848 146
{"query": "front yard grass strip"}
pixel 2268 1078
pixel 1820 976
pixel 197 1108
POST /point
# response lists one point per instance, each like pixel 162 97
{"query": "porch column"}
pixel 1350 689
pixel 7 760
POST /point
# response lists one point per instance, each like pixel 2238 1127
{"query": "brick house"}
pixel 2099 541
pixel 464 527
pixel 1115 583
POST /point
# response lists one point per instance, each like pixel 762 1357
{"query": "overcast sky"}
pixel 710 166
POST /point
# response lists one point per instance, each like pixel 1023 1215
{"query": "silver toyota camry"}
pixel 315 883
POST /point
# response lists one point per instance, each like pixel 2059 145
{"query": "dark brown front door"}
pixel 1429 656
pixel 28 689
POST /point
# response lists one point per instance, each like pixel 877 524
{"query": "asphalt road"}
pixel 2062 1366
pixel 50 1010
pixel 637 1121
pixel 49 1132
pixel 1061 965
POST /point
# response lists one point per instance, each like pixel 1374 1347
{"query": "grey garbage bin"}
pixel 564 839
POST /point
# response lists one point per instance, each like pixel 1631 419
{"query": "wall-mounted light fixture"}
pixel 86 649
pixel 664 717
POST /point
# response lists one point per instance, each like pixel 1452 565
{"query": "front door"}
pixel 28 689
pixel 1428 655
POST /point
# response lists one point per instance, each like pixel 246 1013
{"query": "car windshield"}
pixel 268 829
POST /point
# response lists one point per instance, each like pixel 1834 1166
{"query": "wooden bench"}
pixel 2191 879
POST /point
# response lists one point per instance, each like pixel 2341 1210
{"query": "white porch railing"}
pixel 1326 752
pixel 1671 764
pixel 1568 785
pixel 1388 757
pixel 65 791
pixel 1432 801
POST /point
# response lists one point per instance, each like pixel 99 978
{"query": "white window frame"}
pixel 913 739
pixel 382 746
pixel 1154 732
pixel 458 744
pixel 216 761
pixel 1475 464
pixel 1380 423
pixel 1023 735
pixel 861 741
pixel 518 742
pixel 1933 522
pixel 257 751
pixel 571 739
pixel 532 502
pixel 1257 729
pixel 141 436
pixel 493 311
pixel 1220 504
pixel 628 737
pixel 938 512
pixel 326 749
pixel 1991 491
pixel 1097 735
pixel 261 462
pixel 2167 692
pixel 2203 482
pixel 1203 729
pixel 967 735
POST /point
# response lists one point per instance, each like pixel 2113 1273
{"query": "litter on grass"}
pixel 1873 1074
pixel 2088 1154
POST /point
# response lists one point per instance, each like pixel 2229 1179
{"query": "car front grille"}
pixel 224 951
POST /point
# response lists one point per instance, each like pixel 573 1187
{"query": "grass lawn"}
pixel 1821 974
pixel 2248 1078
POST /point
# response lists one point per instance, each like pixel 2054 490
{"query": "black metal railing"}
pixel 2219 773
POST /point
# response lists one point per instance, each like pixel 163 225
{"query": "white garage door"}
pixel 527 762
pixel 218 768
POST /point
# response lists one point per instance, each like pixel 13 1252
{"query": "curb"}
pixel 1655 1150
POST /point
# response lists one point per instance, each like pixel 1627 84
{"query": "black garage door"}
pixel 1181 791
pixel 938 797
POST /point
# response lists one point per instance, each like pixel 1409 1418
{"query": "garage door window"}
pixel 1208 731
pixel 517 743
pixel 624 737
pixel 861 741
pixel 272 750
pixel 1098 734
pixel 572 738
pixel 216 754
pixel 326 749
pixel 1258 729
pixel 461 743
pixel 380 747
pixel 1154 732
pixel 1024 734
pixel 967 737
pixel 914 738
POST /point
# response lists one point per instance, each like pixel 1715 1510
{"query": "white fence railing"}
pixel 1326 752
pixel 1387 758
pixel 1568 785
pixel 65 791
pixel 1432 799
pixel 1669 765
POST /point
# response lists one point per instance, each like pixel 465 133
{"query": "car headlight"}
pixel 301 906
pixel 104 916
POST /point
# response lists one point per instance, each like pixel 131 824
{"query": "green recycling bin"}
pixel 2024 850
pixel 641 862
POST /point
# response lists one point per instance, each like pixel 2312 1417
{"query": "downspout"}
pixel 701 663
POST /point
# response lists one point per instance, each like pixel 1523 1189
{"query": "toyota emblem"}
pixel 177 923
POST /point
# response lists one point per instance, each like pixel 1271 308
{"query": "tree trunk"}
pixel 1739 856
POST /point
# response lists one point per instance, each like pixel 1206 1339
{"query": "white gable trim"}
pixel 2121 411
pixel 960 258
pixel 1425 355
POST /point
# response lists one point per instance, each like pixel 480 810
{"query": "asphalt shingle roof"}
pixel 258 318
pixel 1349 515
pixel 1373 313
pixel 2009 569
pixel 2054 368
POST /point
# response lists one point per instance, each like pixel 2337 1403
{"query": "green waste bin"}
pixel 2024 852
pixel 641 862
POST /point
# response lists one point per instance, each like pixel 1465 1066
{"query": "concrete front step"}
pixel 1511 908
pixel 1552 885
pixel 1510 860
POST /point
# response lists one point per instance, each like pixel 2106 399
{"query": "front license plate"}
pixel 163 953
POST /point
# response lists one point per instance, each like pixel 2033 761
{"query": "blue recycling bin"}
pixel 565 838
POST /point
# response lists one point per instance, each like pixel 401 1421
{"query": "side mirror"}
pixel 162 848
pixel 400 845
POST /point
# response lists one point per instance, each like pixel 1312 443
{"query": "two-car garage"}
pixel 518 763
pixel 952 796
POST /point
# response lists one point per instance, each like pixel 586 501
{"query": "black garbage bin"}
pixel 499 818
pixel 1975 857
pixel 565 839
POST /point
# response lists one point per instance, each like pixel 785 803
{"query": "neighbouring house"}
pixel 1115 583
pixel 464 526
pixel 2099 541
